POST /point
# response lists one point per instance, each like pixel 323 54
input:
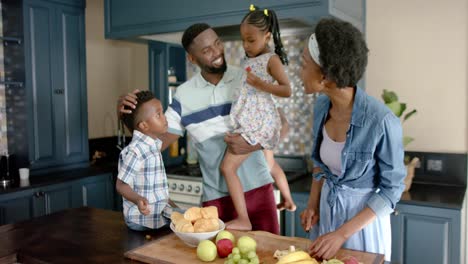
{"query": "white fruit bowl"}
pixel 192 239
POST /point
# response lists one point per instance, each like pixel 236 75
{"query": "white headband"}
pixel 314 49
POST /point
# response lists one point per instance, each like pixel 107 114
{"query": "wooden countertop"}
pixel 81 235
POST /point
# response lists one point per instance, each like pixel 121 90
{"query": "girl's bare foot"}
pixel 288 205
pixel 239 224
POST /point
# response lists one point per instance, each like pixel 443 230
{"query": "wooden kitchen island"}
pixel 82 235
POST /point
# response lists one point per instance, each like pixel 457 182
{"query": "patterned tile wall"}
pixel 297 108
pixel 3 117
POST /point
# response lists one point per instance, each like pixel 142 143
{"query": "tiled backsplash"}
pixel 298 108
pixel 3 117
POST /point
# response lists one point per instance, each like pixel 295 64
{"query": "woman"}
pixel 357 153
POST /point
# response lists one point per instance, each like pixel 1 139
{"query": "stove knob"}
pixel 189 188
pixel 181 187
pixel 197 189
pixel 174 186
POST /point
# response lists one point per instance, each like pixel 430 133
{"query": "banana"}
pixel 307 261
pixel 293 257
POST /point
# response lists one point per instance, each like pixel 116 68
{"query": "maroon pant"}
pixel 261 208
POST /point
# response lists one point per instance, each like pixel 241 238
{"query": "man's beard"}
pixel 211 69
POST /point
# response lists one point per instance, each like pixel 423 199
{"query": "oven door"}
pixel 185 201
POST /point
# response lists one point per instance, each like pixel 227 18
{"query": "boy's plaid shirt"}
pixel 141 166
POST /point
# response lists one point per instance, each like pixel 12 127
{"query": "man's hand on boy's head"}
pixel 127 100
pixel 143 206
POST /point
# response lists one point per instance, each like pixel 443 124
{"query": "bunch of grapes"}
pixel 239 258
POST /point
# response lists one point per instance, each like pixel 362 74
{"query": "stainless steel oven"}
pixel 185 185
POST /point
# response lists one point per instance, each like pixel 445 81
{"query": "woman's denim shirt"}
pixel 373 155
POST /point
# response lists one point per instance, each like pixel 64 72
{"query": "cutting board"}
pixel 170 249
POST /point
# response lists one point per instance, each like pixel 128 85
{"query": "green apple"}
pixel 206 250
pixel 246 244
pixel 225 234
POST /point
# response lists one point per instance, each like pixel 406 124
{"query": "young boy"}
pixel 142 179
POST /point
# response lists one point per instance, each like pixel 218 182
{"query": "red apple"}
pixel 224 247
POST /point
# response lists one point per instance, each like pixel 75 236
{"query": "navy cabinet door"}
pixel 17 206
pixel 55 83
pixel 71 80
pixel 97 191
pixel 40 53
pixel 425 235
pixel 58 197
pixel 132 18
pixel 292 223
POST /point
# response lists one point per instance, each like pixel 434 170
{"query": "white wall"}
pixel 419 49
pixel 113 68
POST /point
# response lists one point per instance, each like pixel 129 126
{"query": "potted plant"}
pixel 391 101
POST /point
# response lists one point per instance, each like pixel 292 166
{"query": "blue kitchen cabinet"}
pixel 127 19
pixel 54 198
pixel 423 234
pixel 54 40
pixel 162 57
pixel 292 220
pixel 26 204
pixel 97 191
pixel 18 206
pixel 94 191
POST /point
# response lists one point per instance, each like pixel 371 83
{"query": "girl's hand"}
pixel 327 246
pixel 309 218
pixel 143 206
pixel 256 82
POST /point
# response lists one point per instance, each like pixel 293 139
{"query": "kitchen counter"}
pixel 449 197
pixel 83 235
pixel 47 178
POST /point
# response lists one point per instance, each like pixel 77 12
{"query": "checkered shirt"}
pixel 141 166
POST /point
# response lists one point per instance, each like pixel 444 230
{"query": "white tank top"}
pixel 330 153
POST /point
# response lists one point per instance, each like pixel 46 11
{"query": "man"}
pixel 201 106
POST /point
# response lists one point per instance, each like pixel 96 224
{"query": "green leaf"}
pixel 408 115
pixel 389 96
pixel 407 140
pixel 396 108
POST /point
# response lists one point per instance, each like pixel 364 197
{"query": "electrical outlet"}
pixel 434 165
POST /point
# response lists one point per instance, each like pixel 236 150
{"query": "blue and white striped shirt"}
pixel 202 109
pixel 141 166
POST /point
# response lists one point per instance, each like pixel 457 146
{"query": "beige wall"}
pixel 113 68
pixel 419 49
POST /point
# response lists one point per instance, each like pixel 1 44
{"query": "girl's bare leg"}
pixel 281 182
pixel 229 166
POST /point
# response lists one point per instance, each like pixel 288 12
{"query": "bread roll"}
pixel 184 226
pixel 192 214
pixel 176 217
pixel 206 225
pixel 209 212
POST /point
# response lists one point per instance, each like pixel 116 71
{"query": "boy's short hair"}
pixel 191 33
pixel 131 120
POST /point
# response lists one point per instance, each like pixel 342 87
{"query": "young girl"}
pixel 253 113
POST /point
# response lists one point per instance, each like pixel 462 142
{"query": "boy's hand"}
pixel 143 206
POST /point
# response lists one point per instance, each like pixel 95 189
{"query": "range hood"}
pixel 288 27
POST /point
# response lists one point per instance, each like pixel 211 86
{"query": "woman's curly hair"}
pixel 343 51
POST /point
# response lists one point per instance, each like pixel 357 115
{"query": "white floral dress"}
pixel 253 112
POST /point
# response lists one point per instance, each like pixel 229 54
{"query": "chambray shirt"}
pixel 373 155
pixel 141 166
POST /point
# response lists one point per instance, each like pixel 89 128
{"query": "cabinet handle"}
pixel 59 91
pixel 36 194
pixel 41 193
pixel 396 212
